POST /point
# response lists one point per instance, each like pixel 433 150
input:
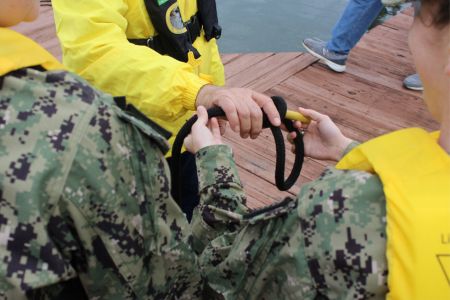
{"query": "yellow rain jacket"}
pixel 415 173
pixel 94 36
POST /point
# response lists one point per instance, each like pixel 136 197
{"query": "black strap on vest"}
pixel 177 48
pixel 280 182
pixel 178 45
pixel 207 13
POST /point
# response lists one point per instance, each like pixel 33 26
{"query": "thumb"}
pixel 314 115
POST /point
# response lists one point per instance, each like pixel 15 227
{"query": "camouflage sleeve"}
pixel 343 226
pixel 222 199
pixel 329 243
pixel 133 236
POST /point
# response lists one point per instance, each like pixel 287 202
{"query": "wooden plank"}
pixel 408 12
pixel 368 97
pixel 243 62
pixel 385 47
pixel 387 33
pixel 226 58
pixel 391 80
pixel 364 60
pixel 400 21
pixel 309 97
pixel 260 69
pixel 283 72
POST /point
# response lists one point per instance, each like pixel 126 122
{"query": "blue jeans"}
pixel 354 22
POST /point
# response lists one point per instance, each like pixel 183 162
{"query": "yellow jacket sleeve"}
pixel 93 34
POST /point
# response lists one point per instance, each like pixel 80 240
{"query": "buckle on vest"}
pixel 193 28
pixel 216 32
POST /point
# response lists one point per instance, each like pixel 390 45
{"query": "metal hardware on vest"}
pixel 194 28
pixel 281 183
pixel 150 42
pixel 179 44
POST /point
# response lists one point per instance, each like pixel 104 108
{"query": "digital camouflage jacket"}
pixel 86 212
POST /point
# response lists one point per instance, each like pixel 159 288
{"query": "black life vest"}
pixel 175 37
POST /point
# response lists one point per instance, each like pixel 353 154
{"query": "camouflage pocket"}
pixel 271 211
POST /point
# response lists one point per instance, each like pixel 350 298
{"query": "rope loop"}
pixel 281 183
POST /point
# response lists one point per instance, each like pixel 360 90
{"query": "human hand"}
pixel 241 106
pixel 203 133
pixel 322 138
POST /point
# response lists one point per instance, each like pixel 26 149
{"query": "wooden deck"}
pixel 365 101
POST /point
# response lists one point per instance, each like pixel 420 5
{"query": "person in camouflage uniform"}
pixel 86 210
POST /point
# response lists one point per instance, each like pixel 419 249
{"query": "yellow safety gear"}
pixel 18 52
pixel 415 172
pixel 94 36
pixel 175 36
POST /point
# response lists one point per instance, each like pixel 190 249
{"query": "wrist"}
pixel 203 95
pixel 341 148
pixel 209 146
pixel 205 144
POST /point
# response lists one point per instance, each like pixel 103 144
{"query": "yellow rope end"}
pixel 296 116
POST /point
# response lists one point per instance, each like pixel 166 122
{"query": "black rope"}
pixel 281 183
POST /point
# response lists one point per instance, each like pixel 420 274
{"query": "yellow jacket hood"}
pixel 18 51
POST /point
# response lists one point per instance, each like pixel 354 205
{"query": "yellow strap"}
pixel 415 173
pixel 18 51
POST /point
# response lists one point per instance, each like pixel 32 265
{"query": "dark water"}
pixel 276 25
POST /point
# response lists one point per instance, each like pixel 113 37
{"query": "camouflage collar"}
pixel 18 51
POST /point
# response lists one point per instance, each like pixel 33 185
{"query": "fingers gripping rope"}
pixel 280 182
